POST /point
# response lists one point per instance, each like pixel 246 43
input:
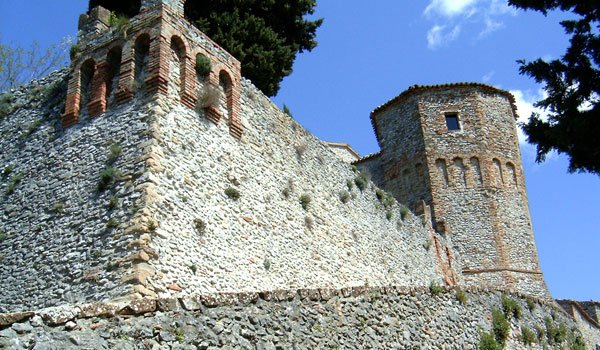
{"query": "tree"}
pixel 128 8
pixel 19 65
pixel 265 35
pixel 572 84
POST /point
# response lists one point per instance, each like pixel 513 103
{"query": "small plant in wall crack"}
pixel 435 289
pixel 108 176
pixel 232 193
pixel 200 226
pixel 112 223
pixel 361 181
pixel 461 296
pixel 427 244
pixel 344 196
pixel 511 307
pixel 114 152
pixel 305 200
pixel 13 182
pixel 203 65
pixel 403 213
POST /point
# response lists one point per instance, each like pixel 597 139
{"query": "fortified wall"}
pixel 134 183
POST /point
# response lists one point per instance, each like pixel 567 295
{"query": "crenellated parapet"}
pixel 118 60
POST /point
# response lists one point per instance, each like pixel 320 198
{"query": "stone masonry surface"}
pixel 370 319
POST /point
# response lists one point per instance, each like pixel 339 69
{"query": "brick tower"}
pixel 115 61
pixel 451 153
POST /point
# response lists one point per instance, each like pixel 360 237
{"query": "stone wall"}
pixel 371 319
pixel 209 241
pixel 61 238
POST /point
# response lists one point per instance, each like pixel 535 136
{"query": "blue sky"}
pixel 370 52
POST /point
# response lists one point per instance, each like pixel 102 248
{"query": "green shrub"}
pixel 527 336
pixel 179 335
pixel 7 170
pixel 73 51
pixel 530 304
pixel 120 22
pixel 541 334
pixel 488 342
pixel 511 307
pixel 13 182
pixel 350 185
pixel 354 168
pixel 232 193
pixel 267 264
pixel 112 223
pixel 344 196
pixel 6 104
pixel 361 181
pixel 32 128
pixel 554 334
pixel 108 177
pixel 3 235
pixel 379 194
pixel 194 268
pixel 403 212
pixel 435 289
pixel 305 201
pixel 113 202
pixel 287 111
pixel 389 215
pixel 461 296
pixel 114 152
pixel 58 207
pixel 200 226
pixel 203 65
pixel 500 325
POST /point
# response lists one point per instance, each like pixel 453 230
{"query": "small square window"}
pixel 452 121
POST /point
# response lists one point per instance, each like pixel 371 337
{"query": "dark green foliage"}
pixel 194 268
pixel 287 111
pixel 511 307
pixel 7 170
pixel 2 235
pixel 555 334
pixel 6 104
pixel 112 223
pixel 361 181
pixel 500 326
pixel 435 289
pixel 305 201
pixel 461 296
pixel 530 304
pixel 488 342
pixel 572 84
pixel 203 65
pixel 350 185
pixel 127 8
pixel 379 194
pixel 114 152
pixel 344 196
pixel 108 177
pixel 264 35
pixel 113 202
pixel 403 212
pixel 389 215
pixel 13 182
pixel 232 193
pixel 527 336
pixel 541 334
pixel 73 51
pixel 32 128
pixel 577 342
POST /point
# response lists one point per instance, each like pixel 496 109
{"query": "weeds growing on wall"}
pixel 344 196
pixel 350 185
pixel 435 289
pixel 489 342
pixel 527 336
pixel 113 202
pixel 361 181
pixel 232 193
pixel 208 96
pixel 32 128
pixel 461 296
pixel 112 223
pixel 7 170
pixel 403 213
pixel 6 104
pixel 305 200
pixel 500 326
pixel 13 182
pixel 114 151
pixel 200 226
pixel 511 307
pixel 108 176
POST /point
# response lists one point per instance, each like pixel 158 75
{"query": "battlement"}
pixel 154 54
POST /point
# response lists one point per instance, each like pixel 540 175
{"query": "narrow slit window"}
pixel 452 122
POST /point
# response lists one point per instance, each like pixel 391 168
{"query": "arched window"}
pixel 476 171
pixel 177 67
pixel 142 50
pixel 458 173
pixel 113 60
pixel 512 174
pixel 86 75
pixel 440 164
pixel 498 178
pixel 226 86
pixel 127 8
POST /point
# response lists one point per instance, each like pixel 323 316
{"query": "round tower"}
pixel 453 150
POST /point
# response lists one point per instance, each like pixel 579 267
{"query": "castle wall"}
pixel 368 319
pixel 265 240
pixel 57 240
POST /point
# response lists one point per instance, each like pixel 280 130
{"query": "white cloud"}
pixel 438 36
pixel 480 16
pixel 450 8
